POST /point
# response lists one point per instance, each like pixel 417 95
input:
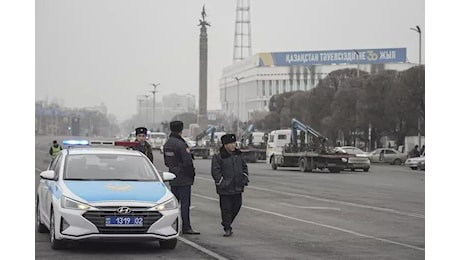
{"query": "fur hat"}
pixel 141 130
pixel 228 138
pixel 176 126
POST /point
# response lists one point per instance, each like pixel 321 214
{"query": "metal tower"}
pixel 242 43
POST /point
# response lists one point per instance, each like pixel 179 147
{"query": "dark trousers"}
pixel 230 205
pixel 182 194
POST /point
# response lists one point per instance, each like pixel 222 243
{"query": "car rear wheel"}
pixel 397 162
pixel 366 170
pixel 40 227
pixel 55 243
pixel 413 168
pixel 168 244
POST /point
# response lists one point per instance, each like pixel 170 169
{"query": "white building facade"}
pixel 247 86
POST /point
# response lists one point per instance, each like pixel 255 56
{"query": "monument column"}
pixel 203 77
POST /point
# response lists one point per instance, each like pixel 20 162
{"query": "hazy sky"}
pixel 108 51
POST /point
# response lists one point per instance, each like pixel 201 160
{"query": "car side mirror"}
pixel 167 176
pixel 48 175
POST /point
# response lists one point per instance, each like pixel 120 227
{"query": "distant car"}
pixel 387 155
pixel 416 163
pixel 157 139
pixel 106 193
pixel 358 160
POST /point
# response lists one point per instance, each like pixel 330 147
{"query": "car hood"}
pixel 416 159
pixel 97 191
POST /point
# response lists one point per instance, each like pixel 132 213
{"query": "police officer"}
pixel 143 146
pixel 230 173
pixel 178 159
pixel 55 149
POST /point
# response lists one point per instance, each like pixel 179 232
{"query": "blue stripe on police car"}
pixel 95 191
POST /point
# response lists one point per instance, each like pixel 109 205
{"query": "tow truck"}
pixel 253 145
pixel 205 148
pixel 308 152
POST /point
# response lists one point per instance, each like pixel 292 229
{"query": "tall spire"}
pixel 242 46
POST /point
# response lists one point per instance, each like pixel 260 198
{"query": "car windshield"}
pixel 108 167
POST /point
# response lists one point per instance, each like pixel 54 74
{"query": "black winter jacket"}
pixel 179 160
pixel 230 172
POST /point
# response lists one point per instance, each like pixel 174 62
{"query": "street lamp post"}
pixel 419 31
pixel 146 113
pixel 238 105
pixel 357 54
pixel 153 92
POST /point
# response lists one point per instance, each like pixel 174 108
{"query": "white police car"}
pixel 105 193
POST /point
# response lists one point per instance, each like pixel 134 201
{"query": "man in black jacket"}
pixel 178 159
pixel 230 173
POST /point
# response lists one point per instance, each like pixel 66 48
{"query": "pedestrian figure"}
pixel 55 149
pixel 178 159
pixel 143 146
pixel 414 152
pixel 230 174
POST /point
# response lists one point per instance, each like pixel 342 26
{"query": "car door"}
pixel 390 155
pixel 375 156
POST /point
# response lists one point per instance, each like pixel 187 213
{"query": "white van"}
pixel 157 139
pixel 277 139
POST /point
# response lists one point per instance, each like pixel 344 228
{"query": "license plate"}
pixel 125 221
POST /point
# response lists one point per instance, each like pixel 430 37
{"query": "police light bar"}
pixel 114 143
pixel 102 142
pixel 75 142
pixel 126 143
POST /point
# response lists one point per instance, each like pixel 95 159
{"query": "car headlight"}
pixel 73 204
pixel 168 205
pixel 422 162
pixel 344 160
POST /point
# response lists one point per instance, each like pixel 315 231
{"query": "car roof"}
pixel 101 150
pixel 349 147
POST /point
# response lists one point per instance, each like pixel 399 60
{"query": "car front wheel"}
pixel 40 227
pixel 55 243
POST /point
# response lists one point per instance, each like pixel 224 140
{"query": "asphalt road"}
pixel 286 214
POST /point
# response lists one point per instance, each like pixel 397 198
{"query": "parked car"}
pixel 387 155
pixel 106 193
pixel 357 159
pixel 416 163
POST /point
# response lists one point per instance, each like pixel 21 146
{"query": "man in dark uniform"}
pixel 178 159
pixel 143 146
pixel 230 174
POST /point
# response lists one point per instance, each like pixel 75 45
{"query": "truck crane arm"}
pixel 211 130
pixel 297 125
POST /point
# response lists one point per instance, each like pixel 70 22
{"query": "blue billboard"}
pixel 361 56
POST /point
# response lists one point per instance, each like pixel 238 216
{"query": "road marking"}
pixel 394 211
pixel 322 225
pixel 303 207
pixel 202 249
